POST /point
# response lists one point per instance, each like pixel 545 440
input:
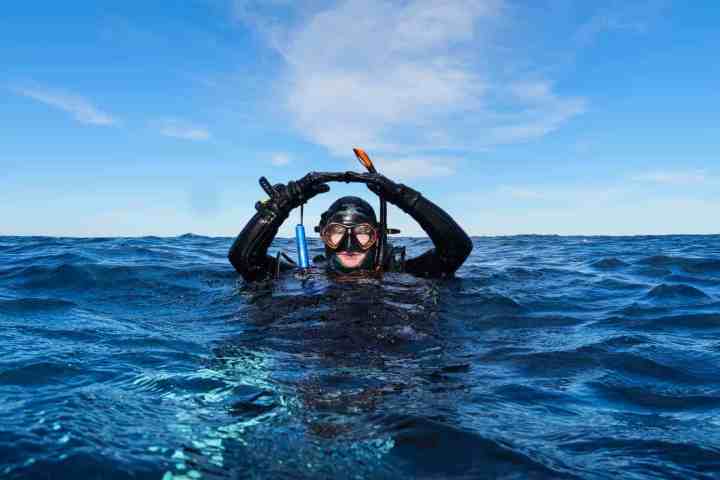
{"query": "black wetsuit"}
pixel 248 253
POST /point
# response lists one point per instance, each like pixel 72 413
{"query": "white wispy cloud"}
pixel 176 128
pixel 620 16
pixel 611 206
pixel 79 107
pixel 677 177
pixel 520 193
pixel 280 159
pixel 414 77
pixel 406 168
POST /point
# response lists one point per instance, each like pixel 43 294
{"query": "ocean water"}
pixel 547 357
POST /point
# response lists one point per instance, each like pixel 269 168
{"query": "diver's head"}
pixel 350 232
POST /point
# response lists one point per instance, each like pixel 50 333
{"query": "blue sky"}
pixel 549 116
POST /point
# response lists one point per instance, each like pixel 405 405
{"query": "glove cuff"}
pixel 271 211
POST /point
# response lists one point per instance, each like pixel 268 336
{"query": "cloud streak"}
pixel 412 78
pixel 672 177
pixel 181 129
pixel 280 159
pixel 407 168
pixel 520 193
pixel 617 16
pixel 80 108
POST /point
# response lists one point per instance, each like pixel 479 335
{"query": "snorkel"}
pixel 382 240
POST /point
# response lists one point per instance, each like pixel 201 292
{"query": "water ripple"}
pixel 548 357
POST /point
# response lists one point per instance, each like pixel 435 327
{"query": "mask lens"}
pixel 333 234
pixel 364 235
pixel 363 238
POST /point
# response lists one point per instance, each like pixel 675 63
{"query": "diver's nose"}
pixel 347 242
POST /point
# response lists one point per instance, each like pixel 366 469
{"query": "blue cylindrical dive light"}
pixel 302 249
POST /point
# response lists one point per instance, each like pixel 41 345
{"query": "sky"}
pixel 518 117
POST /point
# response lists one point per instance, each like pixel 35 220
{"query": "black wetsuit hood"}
pixel 350 211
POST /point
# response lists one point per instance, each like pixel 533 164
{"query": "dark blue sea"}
pixel 547 357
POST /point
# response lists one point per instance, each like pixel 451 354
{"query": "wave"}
pixel 698 321
pixel 47 372
pixel 546 357
pixel 35 305
pixel 462 452
pixel 638 457
pixel 658 397
pixel 619 284
pixel 675 292
pixel 84 276
pixel 610 263
pixel 690 265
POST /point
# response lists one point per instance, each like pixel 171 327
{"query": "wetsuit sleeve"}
pixel 452 244
pixel 248 253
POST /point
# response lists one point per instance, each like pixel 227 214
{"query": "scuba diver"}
pixel 355 241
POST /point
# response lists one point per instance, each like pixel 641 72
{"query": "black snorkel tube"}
pixel 382 241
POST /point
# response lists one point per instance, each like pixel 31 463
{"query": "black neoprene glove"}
pixel 398 194
pixel 295 193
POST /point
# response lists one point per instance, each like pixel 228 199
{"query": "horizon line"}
pixel 316 237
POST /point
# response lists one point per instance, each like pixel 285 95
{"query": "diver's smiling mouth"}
pixel 351 259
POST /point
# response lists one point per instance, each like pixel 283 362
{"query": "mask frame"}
pixel 350 236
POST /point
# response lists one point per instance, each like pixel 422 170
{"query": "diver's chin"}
pixel 351 259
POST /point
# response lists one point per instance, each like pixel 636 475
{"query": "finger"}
pixel 374 188
pixel 316 177
pixel 356 177
pixel 306 181
pixel 333 177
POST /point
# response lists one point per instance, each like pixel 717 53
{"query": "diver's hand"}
pixel 395 193
pixel 295 193
pixel 312 184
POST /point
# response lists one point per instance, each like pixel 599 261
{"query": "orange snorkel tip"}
pixel 364 159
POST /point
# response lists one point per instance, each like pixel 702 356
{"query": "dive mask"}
pixel 338 236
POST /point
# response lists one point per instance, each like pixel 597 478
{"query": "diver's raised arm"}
pixel 248 253
pixel 452 244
